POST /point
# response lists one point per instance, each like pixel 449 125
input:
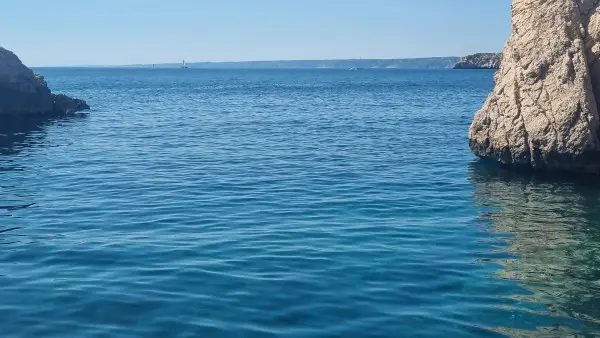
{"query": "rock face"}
pixel 480 61
pixel 543 112
pixel 24 93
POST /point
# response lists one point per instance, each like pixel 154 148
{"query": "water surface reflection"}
pixel 552 227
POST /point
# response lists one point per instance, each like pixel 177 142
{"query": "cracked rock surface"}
pixel 543 112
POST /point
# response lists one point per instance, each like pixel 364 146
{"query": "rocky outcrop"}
pixel 543 112
pixel 68 105
pixel 24 93
pixel 480 61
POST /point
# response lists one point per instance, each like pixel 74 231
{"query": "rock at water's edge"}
pixel 24 93
pixel 543 112
pixel 480 61
pixel 64 104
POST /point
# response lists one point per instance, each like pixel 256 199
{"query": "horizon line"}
pixel 240 61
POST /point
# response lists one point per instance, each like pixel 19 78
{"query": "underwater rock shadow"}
pixel 551 225
pixel 17 132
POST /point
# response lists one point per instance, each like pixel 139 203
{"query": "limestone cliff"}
pixel 480 61
pixel 543 111
pixel 24 93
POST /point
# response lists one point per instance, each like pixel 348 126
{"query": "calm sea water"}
pixel 284 203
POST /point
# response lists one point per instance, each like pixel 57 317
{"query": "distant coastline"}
pixel 474 61
pixel 411 63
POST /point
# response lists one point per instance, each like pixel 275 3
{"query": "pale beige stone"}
pixel 543 111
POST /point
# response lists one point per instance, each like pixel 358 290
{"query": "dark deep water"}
pixel 293 203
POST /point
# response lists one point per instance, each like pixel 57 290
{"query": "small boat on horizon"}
pixel 183 65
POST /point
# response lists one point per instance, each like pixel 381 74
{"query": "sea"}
pixel 284 203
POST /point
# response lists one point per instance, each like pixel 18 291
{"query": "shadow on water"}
pixel 552 228
pixel 16 135
pixel 17 132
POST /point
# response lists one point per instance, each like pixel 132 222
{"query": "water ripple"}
pixel 284 203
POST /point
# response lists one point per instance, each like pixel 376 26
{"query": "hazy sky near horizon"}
pixel 111 32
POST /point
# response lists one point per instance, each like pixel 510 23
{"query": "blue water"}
pixel 284 203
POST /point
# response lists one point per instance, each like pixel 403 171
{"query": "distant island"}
pixel 480 61
pixel 415 63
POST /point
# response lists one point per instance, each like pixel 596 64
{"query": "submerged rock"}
pixel 22 92
pixel 543 112
pixel 480 61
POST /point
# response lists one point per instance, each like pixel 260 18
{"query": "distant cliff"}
pixel 24 93
pixel 480 61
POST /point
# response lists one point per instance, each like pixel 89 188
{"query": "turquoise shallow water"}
pixel 284 203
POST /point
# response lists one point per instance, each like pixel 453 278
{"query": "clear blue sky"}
pixel 108 32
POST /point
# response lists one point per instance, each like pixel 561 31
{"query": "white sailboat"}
pixel 183 65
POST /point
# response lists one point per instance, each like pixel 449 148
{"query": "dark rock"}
pixel 64 104
pixel 22 92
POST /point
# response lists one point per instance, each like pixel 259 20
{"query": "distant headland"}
pixel 480 61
